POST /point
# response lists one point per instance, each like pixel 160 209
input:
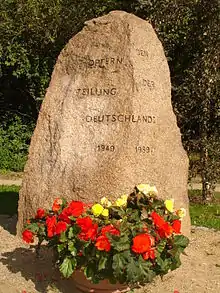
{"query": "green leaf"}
pixel 164 265
pixel 90 272
pixel 120 261
pixel 133 271
pixel 63 237
pixel 161 245
pixel 72 248
pixel 60 247
pixel 67 267
pixel 120 243
pixel 134 216
pixel 102 262
pixel 146 274
pixel 33 227
pixel 180 240
pixel 176 251
pixel 70 233
pixel 42 230
pixel 118 211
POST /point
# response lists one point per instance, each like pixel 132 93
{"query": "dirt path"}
pixel 11 182
pixel 16 179
pixel 11 179
pixel 21 272
pixel 18 182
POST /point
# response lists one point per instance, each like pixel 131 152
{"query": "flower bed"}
pixel 129 241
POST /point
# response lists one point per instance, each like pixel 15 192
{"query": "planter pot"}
pixel 85 286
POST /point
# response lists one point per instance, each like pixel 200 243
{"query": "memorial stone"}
pixel 106 123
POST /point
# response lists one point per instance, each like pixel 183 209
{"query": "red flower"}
pixel 64 216
pixel 88 205
pixel 149 254
pixel 40 214
pixel 51 226
pixel 57 205
pixel 157 219
pixel 90 234
pixel 77 208
pixel 165 231
pixel 176 226
pixel 84 223
pixel 110 229
pixel 61 227
pixel 88 229
pixel 102 243
pixel 141 243
pixel 28 236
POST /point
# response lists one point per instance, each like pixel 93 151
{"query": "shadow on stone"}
pixel 39 270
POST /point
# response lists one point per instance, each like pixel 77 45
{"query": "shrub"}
pixel 14 141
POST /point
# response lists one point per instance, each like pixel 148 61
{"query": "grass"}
pixel 196 194
pixel 10 174
pixel 207 215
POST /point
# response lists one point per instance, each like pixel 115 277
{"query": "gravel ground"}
pixel 21 272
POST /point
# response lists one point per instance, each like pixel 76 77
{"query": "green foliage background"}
pixel 33 32
pixel 14 142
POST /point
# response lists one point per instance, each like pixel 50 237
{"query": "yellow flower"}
pixel 153 191
pixel 105 213
pixel 144 188
pixel 105 202
pixel 169 204
pixel 122 201
pixel 124 197
pixel 181 212
pixel 97 209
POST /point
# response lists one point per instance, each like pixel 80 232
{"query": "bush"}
pixel 14 141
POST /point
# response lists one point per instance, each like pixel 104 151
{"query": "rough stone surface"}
pixel 106 123
pixel 5 288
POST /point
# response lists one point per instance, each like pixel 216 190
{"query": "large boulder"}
pixel 106 123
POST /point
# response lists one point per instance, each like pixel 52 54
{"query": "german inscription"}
pixel 144 150
pixel 121 118
pixel 142 52
pixel 105 147
pixel 94 91
pixel 101 62
pixel 149 83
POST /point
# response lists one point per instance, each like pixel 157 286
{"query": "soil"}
pixel 22 272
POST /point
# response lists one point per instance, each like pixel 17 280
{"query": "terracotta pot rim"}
pixel 84 285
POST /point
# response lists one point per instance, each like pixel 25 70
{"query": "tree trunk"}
pixel 207 186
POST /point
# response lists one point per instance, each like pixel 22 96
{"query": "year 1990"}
pixel 144 149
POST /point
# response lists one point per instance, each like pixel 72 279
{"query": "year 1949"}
pixel 104 147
